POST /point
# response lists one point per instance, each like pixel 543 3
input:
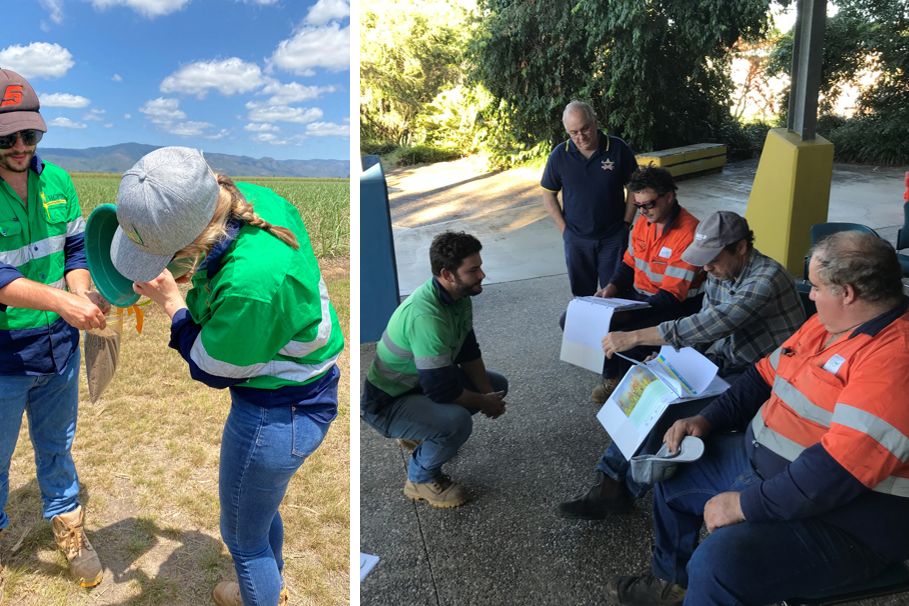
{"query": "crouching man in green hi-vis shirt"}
pixel 428 377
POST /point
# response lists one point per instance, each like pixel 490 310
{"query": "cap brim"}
pixel 135 264
pixel 699 256
pixel 13 122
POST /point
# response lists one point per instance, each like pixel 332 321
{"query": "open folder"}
pixel 587 321
pixel 648 388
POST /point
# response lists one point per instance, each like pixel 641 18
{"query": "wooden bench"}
pixel 686 160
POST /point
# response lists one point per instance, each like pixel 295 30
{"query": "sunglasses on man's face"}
pixel 648 204
pixel 29 137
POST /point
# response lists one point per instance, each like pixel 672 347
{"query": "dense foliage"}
pixel 655 71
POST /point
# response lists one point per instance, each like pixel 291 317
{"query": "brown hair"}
pixel 231 204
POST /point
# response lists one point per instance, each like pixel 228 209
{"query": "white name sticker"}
pixel 833 364
pixel 665 252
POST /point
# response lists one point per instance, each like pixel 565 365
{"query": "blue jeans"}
pixel 745 563
pixel 52 404
pixel 261 449
pixel 441 428
pixel 589 261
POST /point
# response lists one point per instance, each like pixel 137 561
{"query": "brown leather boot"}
pixel 69 534
pixel 606 497
pixel 227 593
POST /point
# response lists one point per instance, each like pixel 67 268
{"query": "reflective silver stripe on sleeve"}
pixel 61 284
pixel 775 358
pixel 301 349
pixel 433 362
pixel 800 403
pixel 773 441
pixel 388 374
pixel 643 266
pixel 75 227
pixel 894 485
pixel 35 250
pixel 393 347
pixel 282 369
pixel 679 272
pixel 874 427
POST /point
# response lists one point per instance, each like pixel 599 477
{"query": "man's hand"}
pixel 493 404
pixel 79 311
pixel 607 292
pixel 725 509
pixel 696 426
pixel 615 342
pixel 96 298
pixel 164 291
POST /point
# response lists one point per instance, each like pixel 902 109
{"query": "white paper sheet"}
pixel 367 563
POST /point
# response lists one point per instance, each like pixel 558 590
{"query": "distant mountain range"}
pixel 119 158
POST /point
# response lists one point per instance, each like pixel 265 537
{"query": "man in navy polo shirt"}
pixel 591 170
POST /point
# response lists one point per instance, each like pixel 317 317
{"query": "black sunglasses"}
pixel 29 137
pixel 648 204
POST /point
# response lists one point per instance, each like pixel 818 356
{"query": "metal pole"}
pixel 807 58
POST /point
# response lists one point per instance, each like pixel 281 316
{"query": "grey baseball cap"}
pixel 18 104
pixel 164 203
pixel 652 468
pixel 717 231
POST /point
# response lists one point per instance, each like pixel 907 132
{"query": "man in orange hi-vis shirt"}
pixel 812 493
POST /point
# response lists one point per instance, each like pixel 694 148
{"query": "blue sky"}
pixel 245 77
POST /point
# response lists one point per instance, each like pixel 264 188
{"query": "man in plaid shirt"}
pixel 750 307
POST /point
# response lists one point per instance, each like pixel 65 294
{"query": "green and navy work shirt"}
pixel 41 239
pixel 259 318
pixel 426 339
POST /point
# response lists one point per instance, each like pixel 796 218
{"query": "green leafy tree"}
pixel 656 71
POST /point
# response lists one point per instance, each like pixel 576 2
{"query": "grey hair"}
pixel 862 260
pixel 580 106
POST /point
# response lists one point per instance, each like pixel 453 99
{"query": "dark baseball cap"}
pixel 18 105
pixel 713 234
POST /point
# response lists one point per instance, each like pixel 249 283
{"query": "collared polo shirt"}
pixel 593 189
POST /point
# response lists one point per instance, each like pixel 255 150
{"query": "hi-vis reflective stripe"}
pixel 393 347
pixel 35 250
pixel 76 226
pixel 433 362
pixel 789 450
pixel 282 369
pixel 60 284
pixel 878 429
pixel 775 357
pixel 679 272
pixel 800 403
pixel 300 349
pixel 385 372
pixel 671 270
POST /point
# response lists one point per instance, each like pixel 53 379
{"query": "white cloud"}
pixel 261 2
pixel 228 77
pixel 147 8
pixel 259 112
pixel 37 60
pixel 67 123
pixel 324 11
pixel 62 100
pixel 327 129
pixel 163 111
pixel 117 78
pixel 269 138
pixel 95 114
pixel 218 135
pixel 127 116
pixel 312 47
pixel 293 92
pixel 54 10
pixel 188 128
pixel 259 127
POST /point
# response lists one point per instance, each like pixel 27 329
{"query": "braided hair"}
pixel 231 204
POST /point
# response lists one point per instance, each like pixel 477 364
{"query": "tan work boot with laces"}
pixel 69 534
pixel 227 593
pixel 441 492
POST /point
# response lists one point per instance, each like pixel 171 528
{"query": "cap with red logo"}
pixel 18 104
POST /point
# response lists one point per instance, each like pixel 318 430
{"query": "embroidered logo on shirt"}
pixel 608 165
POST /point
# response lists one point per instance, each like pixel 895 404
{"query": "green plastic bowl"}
pixel 99 233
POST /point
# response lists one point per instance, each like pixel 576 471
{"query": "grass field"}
pixel 147 454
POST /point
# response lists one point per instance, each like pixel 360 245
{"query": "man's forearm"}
pixel 646 336
pixel 78 281
pixel 551 203
pixel 29 294
pixel 630 208
pixel 476 372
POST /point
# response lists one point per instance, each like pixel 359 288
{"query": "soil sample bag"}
pixel 102 350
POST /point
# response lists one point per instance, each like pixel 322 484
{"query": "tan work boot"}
pixel 441 493
pixel 227 593
pixel 603 390
pixel 69 534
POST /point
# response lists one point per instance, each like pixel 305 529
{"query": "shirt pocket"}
pixel 10 228
pixel 55 209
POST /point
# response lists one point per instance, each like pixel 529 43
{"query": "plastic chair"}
pixel 819 231
pixel 894 579
pixel 902 240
